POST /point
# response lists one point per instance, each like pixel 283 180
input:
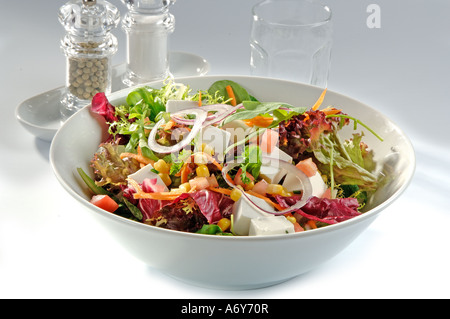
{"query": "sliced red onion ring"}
pixel 291 170
pixel 222 111
pixel 219 117
pixel 197 125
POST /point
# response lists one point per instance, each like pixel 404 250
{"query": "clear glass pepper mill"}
pixel 147 25
pixel 88 46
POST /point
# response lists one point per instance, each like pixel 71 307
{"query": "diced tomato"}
pixel 269 140
pixel 308 167
pixel 260 187
pixel 298 228
pixel 199 183
pixel 238 179
pixel 212 180
pixel 104 202
pixel 327 194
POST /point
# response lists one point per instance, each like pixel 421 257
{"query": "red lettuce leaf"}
pixel 101 106
pixel 149 185
pixel 150 207
pixel 329 211
pixel 213 205
pixel 181 214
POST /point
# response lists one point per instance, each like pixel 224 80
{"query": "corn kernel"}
pixel 274 189
pixel 224 224
pixel 205 148
pixel 291 219
pixel 165 178
pixel 200 159
pixel 202 171
pixel 285 193
pixel 235 194
pixel 185 187
pixel 161 166
pixel 249 186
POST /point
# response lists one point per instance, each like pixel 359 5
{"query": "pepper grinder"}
pixel 147 25
pixel 88 46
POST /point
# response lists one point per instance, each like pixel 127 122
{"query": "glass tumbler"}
pixel 292 40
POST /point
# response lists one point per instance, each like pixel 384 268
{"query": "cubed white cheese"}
pixel 174 106
pixel 238 130
pixel 291 183
pixel 146 172
pixel 270 170
pixel 275 225
pixel 278 155
pixel 272 174
pixel 244 212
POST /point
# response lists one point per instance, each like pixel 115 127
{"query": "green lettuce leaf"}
pixel 219 87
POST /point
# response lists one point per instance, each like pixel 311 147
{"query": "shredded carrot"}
pixel 139 157
pixel 330 110
pixel 126 154
pixel 140 194
pixel 199 98
pixel 158 196
pixel 178 174
pixel 319 101
pixel 184 173
pixel 306 117
pixel 220 190
pixel 169 125
pixel 231 95
pixel 312 224
pixel 261 121
pixel 268 200
pixel 136 187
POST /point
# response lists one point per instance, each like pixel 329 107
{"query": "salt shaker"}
pixel 147 25
pixel 88 46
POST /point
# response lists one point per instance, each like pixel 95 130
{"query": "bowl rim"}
pixel 313 232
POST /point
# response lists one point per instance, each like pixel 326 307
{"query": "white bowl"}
pixel 228 262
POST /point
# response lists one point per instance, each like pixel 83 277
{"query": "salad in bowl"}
pixel 220 161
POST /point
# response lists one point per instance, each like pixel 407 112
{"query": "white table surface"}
pixel 50 248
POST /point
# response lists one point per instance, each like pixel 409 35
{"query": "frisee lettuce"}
pixel 351 162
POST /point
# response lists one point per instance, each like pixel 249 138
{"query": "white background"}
pixel 50 248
